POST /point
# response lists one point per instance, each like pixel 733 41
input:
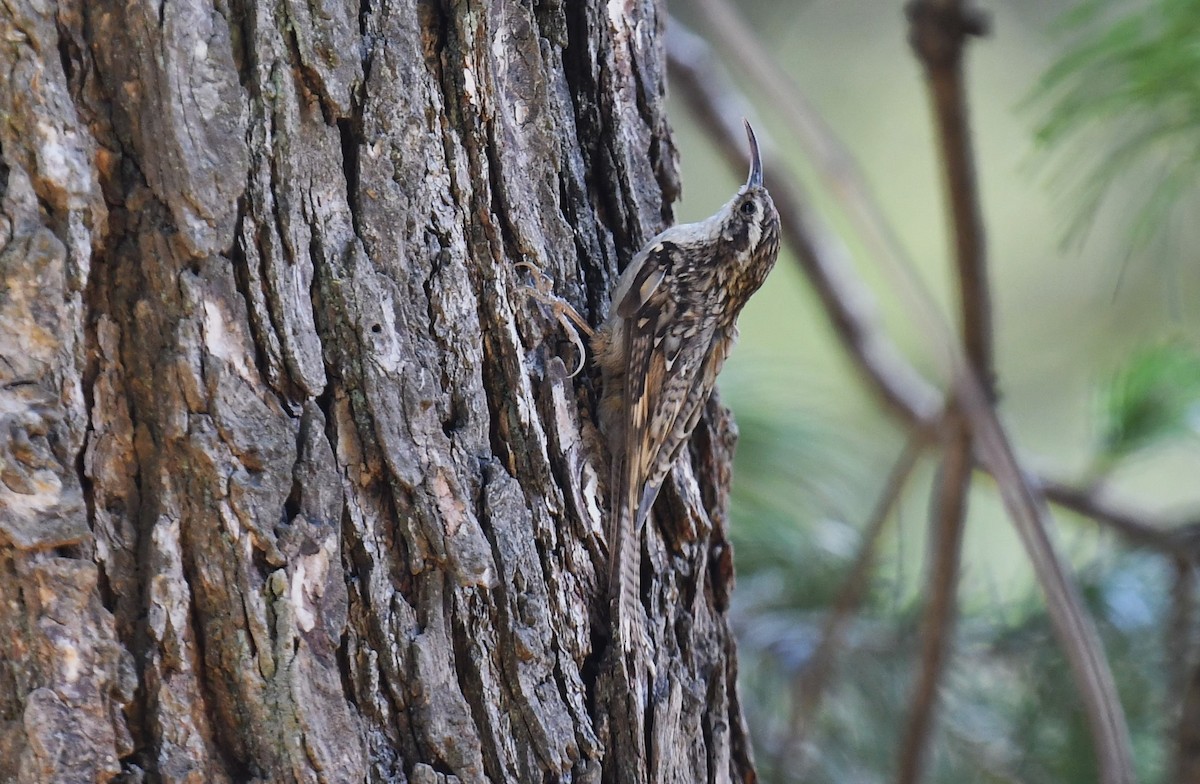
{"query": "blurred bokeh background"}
pixel 1095 310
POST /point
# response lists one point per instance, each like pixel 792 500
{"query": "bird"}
pixel 672 323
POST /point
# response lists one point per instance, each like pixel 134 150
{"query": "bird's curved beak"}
pixel 755 180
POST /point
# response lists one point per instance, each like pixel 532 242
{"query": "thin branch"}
pixel 938 33
pixel 941 611
pixel 1184 676
pixel 940 47
pixel 1076 633
pixel 1131 526
pixel 810 687
pixel 939 30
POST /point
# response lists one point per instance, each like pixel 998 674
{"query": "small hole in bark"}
pixel 291 506
pixel 376 328
pixel 455 419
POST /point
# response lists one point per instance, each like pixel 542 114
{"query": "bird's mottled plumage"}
pixel 672 323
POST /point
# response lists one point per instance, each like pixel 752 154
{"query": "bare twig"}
pixel 1076 632
pixel 941 611
pixel 1132 526
pixel 939 29
pixel 939 47
pixel 810 687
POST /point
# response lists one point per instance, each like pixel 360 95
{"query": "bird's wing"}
pixel 672 353
pixel 668 352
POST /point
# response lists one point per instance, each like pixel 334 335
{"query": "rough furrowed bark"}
pixel 293 483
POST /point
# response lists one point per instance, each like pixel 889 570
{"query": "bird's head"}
pixel 718 262
pixel 749 226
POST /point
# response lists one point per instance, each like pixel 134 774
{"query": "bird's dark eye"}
pixel 748 208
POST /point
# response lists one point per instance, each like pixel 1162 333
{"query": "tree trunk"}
pixel 293 483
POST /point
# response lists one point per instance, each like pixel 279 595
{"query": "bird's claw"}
pixel 572 323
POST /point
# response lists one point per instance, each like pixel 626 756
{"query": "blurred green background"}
pixel 1077 316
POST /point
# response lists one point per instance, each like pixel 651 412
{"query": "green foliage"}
pixel 1155 397
pixel 1126 92
pixel 781 488
pixel 1009 707
pixel 1125 597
